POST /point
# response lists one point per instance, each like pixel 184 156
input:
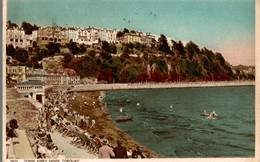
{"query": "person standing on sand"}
pixel 105 151
pixel 137 153
pixel 87 120
pixel 120 151
pixel 93 123
pixel 82 120
pixel 10 134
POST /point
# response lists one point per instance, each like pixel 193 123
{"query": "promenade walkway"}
pixel 68 150
pixel 121 86
pixel 22 146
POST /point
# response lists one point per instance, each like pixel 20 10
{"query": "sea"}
pixel 182 131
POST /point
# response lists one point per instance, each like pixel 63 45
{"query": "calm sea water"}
pixel 183 132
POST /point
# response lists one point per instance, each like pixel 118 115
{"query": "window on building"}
pixel 11 40
pixel 59 40
pixel 51 39
pixel 42 38
pixel 21 40
pixel 16 40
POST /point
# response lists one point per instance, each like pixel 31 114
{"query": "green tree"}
pixel 74 49
pixel 106 55
pixel 129 74
pixel 161 65
pixel 125 31
pixel 116 65
pixel 82 48
pixel 10 24
pixel 53 48
pixel 85 67
pixel 105 46
pixel 28 28
pixel 92 53
pixel 192 49
pixel 119 34
pixel 67 60
pixel 42 53
pixel 210 55
pixel 113 48
pixel 163 45
pixel 178 46
pixel 10 51
pixel 220 58
pixel 21 55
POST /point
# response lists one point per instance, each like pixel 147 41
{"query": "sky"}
pixel 225 26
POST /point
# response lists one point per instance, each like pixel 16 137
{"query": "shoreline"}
pixel 122 86
pixel 144 148
pixel 104 124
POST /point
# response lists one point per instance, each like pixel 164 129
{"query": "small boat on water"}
pixel 124 118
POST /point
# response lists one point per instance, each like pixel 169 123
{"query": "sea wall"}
pixel 120 86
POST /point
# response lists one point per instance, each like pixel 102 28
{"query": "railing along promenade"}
pixel 150 85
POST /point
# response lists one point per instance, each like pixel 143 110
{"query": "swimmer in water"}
pixel 205 113
pixel 211 115
pixel 170 107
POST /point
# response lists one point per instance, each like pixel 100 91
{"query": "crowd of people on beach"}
pixel 54 116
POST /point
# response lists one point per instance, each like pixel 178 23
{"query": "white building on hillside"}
pixel 108 35
pixel 83 36
pixel 94 34
pixel 16 73
pixel 18 38
pixel 71 34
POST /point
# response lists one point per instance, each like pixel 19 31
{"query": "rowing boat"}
pixel 124 118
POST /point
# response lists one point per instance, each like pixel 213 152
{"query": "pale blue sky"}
pixel 226 26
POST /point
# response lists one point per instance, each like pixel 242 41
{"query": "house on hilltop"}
pixel 18 38
pixel 48 34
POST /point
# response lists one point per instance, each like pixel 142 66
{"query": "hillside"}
pixel 134 62
pixel 131 60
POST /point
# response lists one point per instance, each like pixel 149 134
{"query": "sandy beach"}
pixel 104 124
